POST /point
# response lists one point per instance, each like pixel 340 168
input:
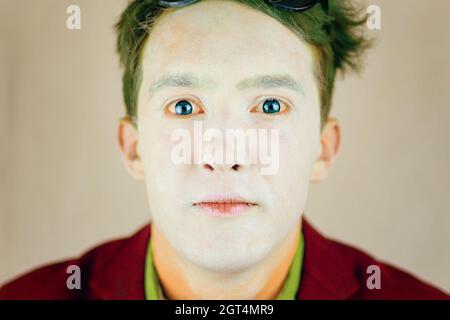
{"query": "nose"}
pixel 223 158
pixel 220 150
pixel 221 167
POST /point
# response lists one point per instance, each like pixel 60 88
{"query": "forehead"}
pixel 226 41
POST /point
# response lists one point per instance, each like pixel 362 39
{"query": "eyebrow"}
pixel 271 81
pixel 180 80
pixel 189 80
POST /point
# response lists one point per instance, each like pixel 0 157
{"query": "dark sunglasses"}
pixel 291 5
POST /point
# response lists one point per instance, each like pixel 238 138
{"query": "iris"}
pixel 183 108
pixel 271 106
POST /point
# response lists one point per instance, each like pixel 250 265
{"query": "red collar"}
pixel 328 273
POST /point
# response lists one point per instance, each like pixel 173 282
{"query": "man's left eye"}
pixel 270 106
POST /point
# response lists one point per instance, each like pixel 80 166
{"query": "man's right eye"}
pixel 184 108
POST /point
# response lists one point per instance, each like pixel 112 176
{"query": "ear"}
pixel 127 138
pixel 330 140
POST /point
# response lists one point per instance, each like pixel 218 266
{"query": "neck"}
pixel 181 280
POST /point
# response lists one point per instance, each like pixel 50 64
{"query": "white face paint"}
pixel 221 43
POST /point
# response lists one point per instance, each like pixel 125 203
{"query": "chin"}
pixel 226 254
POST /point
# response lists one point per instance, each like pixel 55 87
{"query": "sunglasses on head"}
pixel 291 5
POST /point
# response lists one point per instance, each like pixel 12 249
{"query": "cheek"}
pixel 298 142
pixel 164 177
pixel 296 150
pixel 294 166
pixel 289 189
pixel 155 146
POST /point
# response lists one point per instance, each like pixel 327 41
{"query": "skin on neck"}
pixel 181 280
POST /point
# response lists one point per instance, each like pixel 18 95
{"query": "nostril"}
pixel 208 167
pixel 235 167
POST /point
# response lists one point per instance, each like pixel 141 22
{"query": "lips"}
pixel 224 206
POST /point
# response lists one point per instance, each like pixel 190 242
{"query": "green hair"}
pixel 337 39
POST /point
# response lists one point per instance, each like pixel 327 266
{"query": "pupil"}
pixel 271 106
pixel 183 108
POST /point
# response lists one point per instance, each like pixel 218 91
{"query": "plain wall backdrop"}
pixel 64 189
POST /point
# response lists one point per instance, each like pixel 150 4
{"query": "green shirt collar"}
pixel 288 291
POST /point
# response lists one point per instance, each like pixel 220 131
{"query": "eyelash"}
pixel 171 106
pixel 285 107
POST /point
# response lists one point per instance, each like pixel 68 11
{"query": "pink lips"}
pixel 224 206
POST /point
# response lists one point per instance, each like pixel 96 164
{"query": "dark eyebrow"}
pixel 189 80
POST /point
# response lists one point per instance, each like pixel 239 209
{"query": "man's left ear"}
pixel 330 140
pixel 127 139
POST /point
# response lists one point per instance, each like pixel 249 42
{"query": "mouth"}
pixel 223 206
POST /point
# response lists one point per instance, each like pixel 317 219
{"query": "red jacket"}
pixel 115 270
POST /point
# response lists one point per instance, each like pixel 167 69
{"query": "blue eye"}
pixel 183 108
pixel 271 106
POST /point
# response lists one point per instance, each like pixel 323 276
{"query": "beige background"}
pixel 63 188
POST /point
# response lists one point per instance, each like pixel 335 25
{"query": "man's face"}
pixel 225 47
